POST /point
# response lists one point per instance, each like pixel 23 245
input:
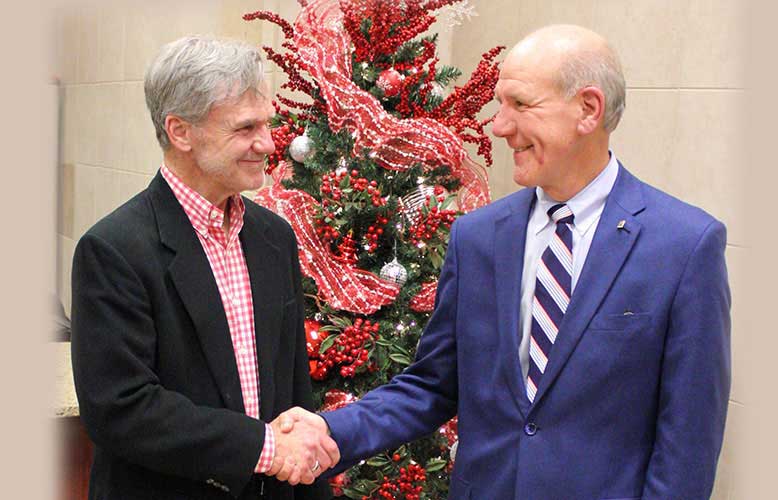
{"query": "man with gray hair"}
pixel 187 316
pixel 581 328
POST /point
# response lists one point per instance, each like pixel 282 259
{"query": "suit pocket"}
pixel 460 489
pixel 620 322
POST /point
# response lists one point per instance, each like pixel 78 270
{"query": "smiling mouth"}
pixel 519 150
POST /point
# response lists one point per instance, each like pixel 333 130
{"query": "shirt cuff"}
pixel 268 452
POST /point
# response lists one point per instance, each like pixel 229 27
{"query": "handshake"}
pixel 304 448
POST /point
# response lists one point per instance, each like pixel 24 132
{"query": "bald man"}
pixel 581 329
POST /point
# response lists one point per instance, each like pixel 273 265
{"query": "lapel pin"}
pixel 621 225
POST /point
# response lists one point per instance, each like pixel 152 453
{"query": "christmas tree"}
pixel 371 171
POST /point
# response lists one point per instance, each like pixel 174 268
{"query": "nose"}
pixel 502 125
pixel 263 142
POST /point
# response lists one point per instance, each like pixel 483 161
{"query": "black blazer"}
pixel 153 362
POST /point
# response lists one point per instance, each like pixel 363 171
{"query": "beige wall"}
pixel 679 132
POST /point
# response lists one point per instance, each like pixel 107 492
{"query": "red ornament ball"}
pixel 390 81
pixel 313 337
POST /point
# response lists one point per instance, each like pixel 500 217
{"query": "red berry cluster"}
pixel 460 108
pixel 429 223
pixel 290 63
pixel 390 26
pixel 274 18
pixel 330 187
pixel 407 487
pixel 326 231
pixel 374 232
pixel 362 184
pixel 282 136
pixel 351 350
pixel 408 107
pixel 339 482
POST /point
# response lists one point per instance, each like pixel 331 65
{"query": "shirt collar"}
pixel 202 213
pixel 587 204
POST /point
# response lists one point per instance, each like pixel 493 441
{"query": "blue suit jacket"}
pixel 634 398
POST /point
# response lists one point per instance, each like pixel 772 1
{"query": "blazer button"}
pixel 530 429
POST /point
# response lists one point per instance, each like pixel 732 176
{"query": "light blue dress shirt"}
pixel 587 207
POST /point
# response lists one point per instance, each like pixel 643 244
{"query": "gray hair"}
pixel 191 74
pixel 601 69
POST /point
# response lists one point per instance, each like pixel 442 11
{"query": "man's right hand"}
pixel 303 447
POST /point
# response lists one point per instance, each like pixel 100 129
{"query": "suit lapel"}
pixel 267 289
pixel 510 232
pixel 191 274
pixel 610 248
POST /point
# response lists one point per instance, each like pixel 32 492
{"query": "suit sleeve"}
pixel 123 406
pixel 415 402
pixel 695 383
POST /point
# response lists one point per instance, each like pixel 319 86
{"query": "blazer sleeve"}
pixel 695 383
pixel 415 402
pixel 125 409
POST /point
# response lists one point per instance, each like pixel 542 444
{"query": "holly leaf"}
pixel 447 202
pixel 353 494
pixel 400 358
pixel 435 464
pixel 378 461
pixel 341 323
pixel 384 342
pixel 360 488
pixel 435 259
pixel 397 349
pixel 327 343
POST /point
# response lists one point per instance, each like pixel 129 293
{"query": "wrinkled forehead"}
pixel 250 106
pixel 235 93
pixel 527 73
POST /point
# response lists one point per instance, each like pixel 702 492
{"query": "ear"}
pixel 179 133
pixel 592 102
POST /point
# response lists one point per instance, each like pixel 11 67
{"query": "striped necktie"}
pixel 552 294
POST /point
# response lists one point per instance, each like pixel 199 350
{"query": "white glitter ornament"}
pixel 437 89
pixel 301 148
pixel 412 202
pixel 394 272
pixel 456 14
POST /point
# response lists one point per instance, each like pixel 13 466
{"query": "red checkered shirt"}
pixel 228 264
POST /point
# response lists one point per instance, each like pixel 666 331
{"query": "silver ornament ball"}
pixel 301 148
pixel 394 272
